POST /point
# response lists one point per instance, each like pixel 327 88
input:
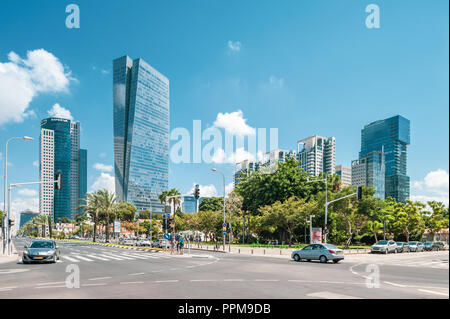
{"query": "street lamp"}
pixel 215 170
pixel 325 232
pixel 6 229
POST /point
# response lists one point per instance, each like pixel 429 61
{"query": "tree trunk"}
pixel 375 234
pixel 350 233
pixel 95 229
pixel 107 228
pixel 407 235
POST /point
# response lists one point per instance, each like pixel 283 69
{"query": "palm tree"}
pixel 41 220
pixel 108 203
pixel 175 201
pixel 92 207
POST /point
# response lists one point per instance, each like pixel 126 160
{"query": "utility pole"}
pixel 224 223
pixel 310 228
pixel 324 180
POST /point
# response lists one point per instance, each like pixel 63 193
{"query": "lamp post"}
pixel 325 231
pixel 310 228
pixel 6 228
pixel 223 176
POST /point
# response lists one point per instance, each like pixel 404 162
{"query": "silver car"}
pixel 321 252
pixel 384 246
pixel 41 251
pixel 143 242
pixel 415 246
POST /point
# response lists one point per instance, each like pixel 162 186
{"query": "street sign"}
pixel 224 232
pixel 166 236
pixel 224 225
pixel 117 226
pixel 168 216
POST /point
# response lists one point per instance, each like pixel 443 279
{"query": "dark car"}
pixel 402 247
pixel 41 251
pixel 440 245
pixel 428 246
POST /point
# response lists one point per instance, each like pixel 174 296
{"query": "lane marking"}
pixel 50 283
pixel 265 280
pixel 127 258
pixel 394 284
pixel 43 287
pixel 158 281
pixel 131 282
pixel 70 259
pixel 100 278
pixel 82 258
pixel 434 292
pixel 87 285
pixel 110 256
pixel 331 295
pixel 97 257
pixel 137 274
pixel 200 280
pixel 233 280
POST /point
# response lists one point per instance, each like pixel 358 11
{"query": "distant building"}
pixel 390 136
pixel 141 132
pixel 60 153
pixel 370 171
pixel 26 216
pixel 317 154
pixel 345 173
pixel 189 204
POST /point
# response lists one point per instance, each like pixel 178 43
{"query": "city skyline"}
pixel 369 82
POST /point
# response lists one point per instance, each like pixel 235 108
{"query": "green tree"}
pixel 92 207
pixel 214 204
pixel 127 211
pixel 408 219
pixel 108 202
pixel 437 221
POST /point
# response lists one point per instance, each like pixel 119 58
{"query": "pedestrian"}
pixel 172 244
pixel 181 243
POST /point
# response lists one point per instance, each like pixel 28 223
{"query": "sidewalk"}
pixel 7 259
pixel 269 252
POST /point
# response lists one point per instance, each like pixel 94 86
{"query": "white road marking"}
pixel 265 280
pixel 70 259
pixel 111 256
pixel 434 292
pixel 394 284
pixel 331 295
pixel 42 287
pixel 87 285
pixel 50 283
pixel 125 257
pixel 166 281
pixel 233 280
pixel 134 256
pixel 82 258
pixel 137 274
pixel 131 282
pixel 100 278
pixel 97 257
pixel 200 280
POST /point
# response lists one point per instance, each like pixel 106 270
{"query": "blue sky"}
pixel 304 67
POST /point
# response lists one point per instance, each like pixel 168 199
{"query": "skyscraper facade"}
pixel 83 176
pixel 345 173
pixel 60 153
pixel 141 132
pixel 390 136
pixel 317 154
pixel 370 170
pixel 189 204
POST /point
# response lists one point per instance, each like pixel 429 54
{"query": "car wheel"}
pixel 323 259
pixel 336 261
pixel 395 251
pixel 386 251
pixel 297 257
pixel 308 260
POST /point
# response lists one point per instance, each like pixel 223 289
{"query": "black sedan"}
pixel 41 251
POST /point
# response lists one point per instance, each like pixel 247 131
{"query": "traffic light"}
pixel 197 192
pixel 359 193
pixel 58 181
pixel 10 223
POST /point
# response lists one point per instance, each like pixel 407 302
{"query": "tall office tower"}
pixel 141 132
pixel 370 171
pixel 26 216
pixel 392 134
pixel 317 154
pixel 345 173
pixel 189 204
pixel 82 177
pixel 60 153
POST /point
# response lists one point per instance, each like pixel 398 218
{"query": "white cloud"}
pixel 276 82
pixel 220 157
pixel 27 192
pixel 36 163
pixel 102 155
pixel 234 47
pixel 205 190
pixel 61 112
pixel 103 167
pixel 21 80
pixel 229 188
pixel 19 205
pixel 105 180
pixel 434 186
pixel 234 123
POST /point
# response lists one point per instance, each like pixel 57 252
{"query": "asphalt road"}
pixel 108 272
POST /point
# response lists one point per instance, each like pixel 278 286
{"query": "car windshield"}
pixel 412 243
pixel 383 242
pixel 399 244
pixel 41 244
pixel 428 244
pixel 329 246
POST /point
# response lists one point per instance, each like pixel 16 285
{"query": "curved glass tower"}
pixel 141 132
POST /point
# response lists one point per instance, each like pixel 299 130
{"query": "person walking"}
pixel 172 244
pixel 181 243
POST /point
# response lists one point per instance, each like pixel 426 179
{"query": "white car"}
pixel 143 242
pixel 384 246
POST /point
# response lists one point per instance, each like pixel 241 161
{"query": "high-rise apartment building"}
pixel 345 173
pixel 317 154
pixel 141 132
pixel 60 153
pixel 370 170
pixel 390 136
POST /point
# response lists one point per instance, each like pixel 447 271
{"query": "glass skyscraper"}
pixel 391 135
pixel 60 153
pixel 141 132
pixel 83 176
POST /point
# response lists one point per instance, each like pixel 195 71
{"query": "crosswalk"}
pixel 75 256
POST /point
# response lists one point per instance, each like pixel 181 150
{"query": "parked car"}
pixel 41 251
pixel 440 245
pixel 321 252
pixel 143 242
pixel 127 242
pixel 402 247
pixel 384 246
pixel 428 246
pixel 415 246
